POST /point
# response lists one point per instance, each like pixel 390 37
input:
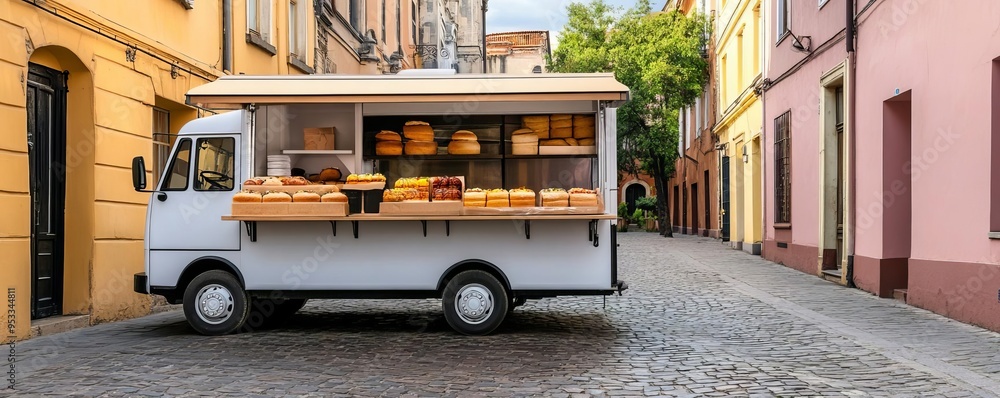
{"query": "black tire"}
pixel 475 284
pixel 221 292
pixel 270 313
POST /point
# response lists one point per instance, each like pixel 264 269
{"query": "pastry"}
pixel 522 197
pixel 305 197
pixel 253 181
pixel 364 178
pixel 580 197
pixel 386 135
pixel 315 178
pixel 497 198
pixel 586 142
pixel 561 124
pixel 572 142
pixel 378 177
pixel 330 174
pixel 277 197
pixel 561 132
pixel 463 135
pixel 553 142
pixel 388 148
pixel 474 197
pixel 583 132
pixel 423 187
pixel 352 179
pixel 447 194
pixel 247 197
pixel 393 195
pixel 463 148
pixel 335 197
pixel 583 120
pixel 524 138
pixel 416 147
pixel 271 182
pixel 419 131
pixel 555 197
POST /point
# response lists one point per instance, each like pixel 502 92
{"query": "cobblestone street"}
pixel 699 319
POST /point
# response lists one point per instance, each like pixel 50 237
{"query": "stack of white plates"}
pixel 279 165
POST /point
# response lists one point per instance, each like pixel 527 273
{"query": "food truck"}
pixel 481 190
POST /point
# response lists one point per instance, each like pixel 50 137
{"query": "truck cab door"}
pixel 198 185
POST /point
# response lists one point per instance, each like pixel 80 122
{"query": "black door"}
pixel 633 193
pixel 724 192
pixel 694 209
pixel 46 107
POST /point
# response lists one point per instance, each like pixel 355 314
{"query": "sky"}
pixel 514 15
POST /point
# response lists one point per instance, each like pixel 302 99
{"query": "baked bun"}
pixel 420 131
pixel 305 197
pixel 253 181
pixel 294 181
pixel 330 174
pixel 531 138
pixel 553 142
pixel 522 197
pixel 497 198
pixel 247 197
pixel 463 135
pixel 463 148
pixel 352 179
pixel 335 197
pixel 314 178
pixel 271 182
pixel 277 197
pixel 416 147
pixel 555 197
pixel 388 148
pixel 386 135
pixel 580 197
pixel 474 197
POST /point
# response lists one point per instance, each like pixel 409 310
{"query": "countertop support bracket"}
pixel 251 227
pixel 355 226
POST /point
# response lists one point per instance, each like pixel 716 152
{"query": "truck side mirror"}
pixel 138 173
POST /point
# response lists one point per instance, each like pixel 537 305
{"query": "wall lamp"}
pixel 746 157
pixel 797 42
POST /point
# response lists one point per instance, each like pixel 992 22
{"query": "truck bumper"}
pixel 139 283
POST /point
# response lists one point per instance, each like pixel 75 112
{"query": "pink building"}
pixel 894 158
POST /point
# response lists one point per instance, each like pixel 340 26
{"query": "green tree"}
pixel 658 56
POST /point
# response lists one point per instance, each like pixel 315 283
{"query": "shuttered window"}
pixel 783 168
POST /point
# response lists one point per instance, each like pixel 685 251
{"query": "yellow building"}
pixel 94 83
pixel 738 60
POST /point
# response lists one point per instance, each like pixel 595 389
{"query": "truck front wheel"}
pixel 474 302
pixel 215 303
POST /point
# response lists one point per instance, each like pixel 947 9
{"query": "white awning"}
pixel 236 91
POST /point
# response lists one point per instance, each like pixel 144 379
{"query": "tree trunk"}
pixel 666 229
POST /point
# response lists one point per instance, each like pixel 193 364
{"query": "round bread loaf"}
pixel 247 197
pixel 414 147
pixel 388 148
pixel 305 197
pixel 463 148
pixel 277 197
pixel 418 132
pixel 463 135
pixel 386 135
pixel 330 174
pixel 335 197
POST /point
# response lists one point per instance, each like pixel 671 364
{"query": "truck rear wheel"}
pixel 215 303
pixel 474 302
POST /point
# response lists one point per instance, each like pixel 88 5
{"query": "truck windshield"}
pixel 215 164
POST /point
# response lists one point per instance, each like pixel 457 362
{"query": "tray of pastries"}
pixel 364 182
pixel 286 184
pixel 523 201
pixel 280 203
pixel 424 196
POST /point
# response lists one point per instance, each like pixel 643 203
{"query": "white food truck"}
pixel 234 273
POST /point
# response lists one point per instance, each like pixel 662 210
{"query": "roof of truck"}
pixel 235 91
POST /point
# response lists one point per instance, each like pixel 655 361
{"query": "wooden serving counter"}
pixel 377 217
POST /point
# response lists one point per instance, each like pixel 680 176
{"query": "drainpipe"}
pixel 227 36
pixel 485 3
pixel 852 173
pixel 763 138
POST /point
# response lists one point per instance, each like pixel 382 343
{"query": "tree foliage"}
pixel 658 56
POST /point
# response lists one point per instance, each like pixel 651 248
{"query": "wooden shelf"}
pixel 378 217
pixel 549 156
pixel 317 152
pixel 436 157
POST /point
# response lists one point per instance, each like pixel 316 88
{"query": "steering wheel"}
pixel 215 179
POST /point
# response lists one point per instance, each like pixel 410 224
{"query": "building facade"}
pixel 738 68
pixel 517 52
pixel 366 36
pixel 693 201
pixel 452 35
pixel 927 186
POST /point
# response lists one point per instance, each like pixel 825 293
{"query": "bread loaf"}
pixel 553 142
pixel 497 198
pixel 420 131
pixel 580 197
pixel 335 197
pixel 414 147
pixel 530 148
pixel 474 197
pixel 561 124
pixel 583 120
pixel 572 142
pixel 330 174
pixel 247 197
pixel 524 138
pixel 583 132
pixel 586 142
pixel 522 197
pixel 464 135
pixel 386 135
pixel 277 197
pixel 555 197
pixel 305 197
pixel 463 148
pixel 562 132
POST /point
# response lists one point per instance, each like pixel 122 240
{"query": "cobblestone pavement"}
pixel 699 320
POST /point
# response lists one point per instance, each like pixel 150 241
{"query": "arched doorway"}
pixel 61 132
pixel 632 193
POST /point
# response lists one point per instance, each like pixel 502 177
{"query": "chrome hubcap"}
pixel 474 303
pixel 215 304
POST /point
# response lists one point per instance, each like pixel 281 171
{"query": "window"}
pixel 179 168
pixel 723 86
pixel 399 25
pixel 739 60
pixel 784 19
pixel 259 19
pixel 215 164
pixel 162 141
pixel 783 169
pixel 756 39
pixel 995 170
pixel 355 11
pixel 296 30
pixel 384 22
pixel 413 21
